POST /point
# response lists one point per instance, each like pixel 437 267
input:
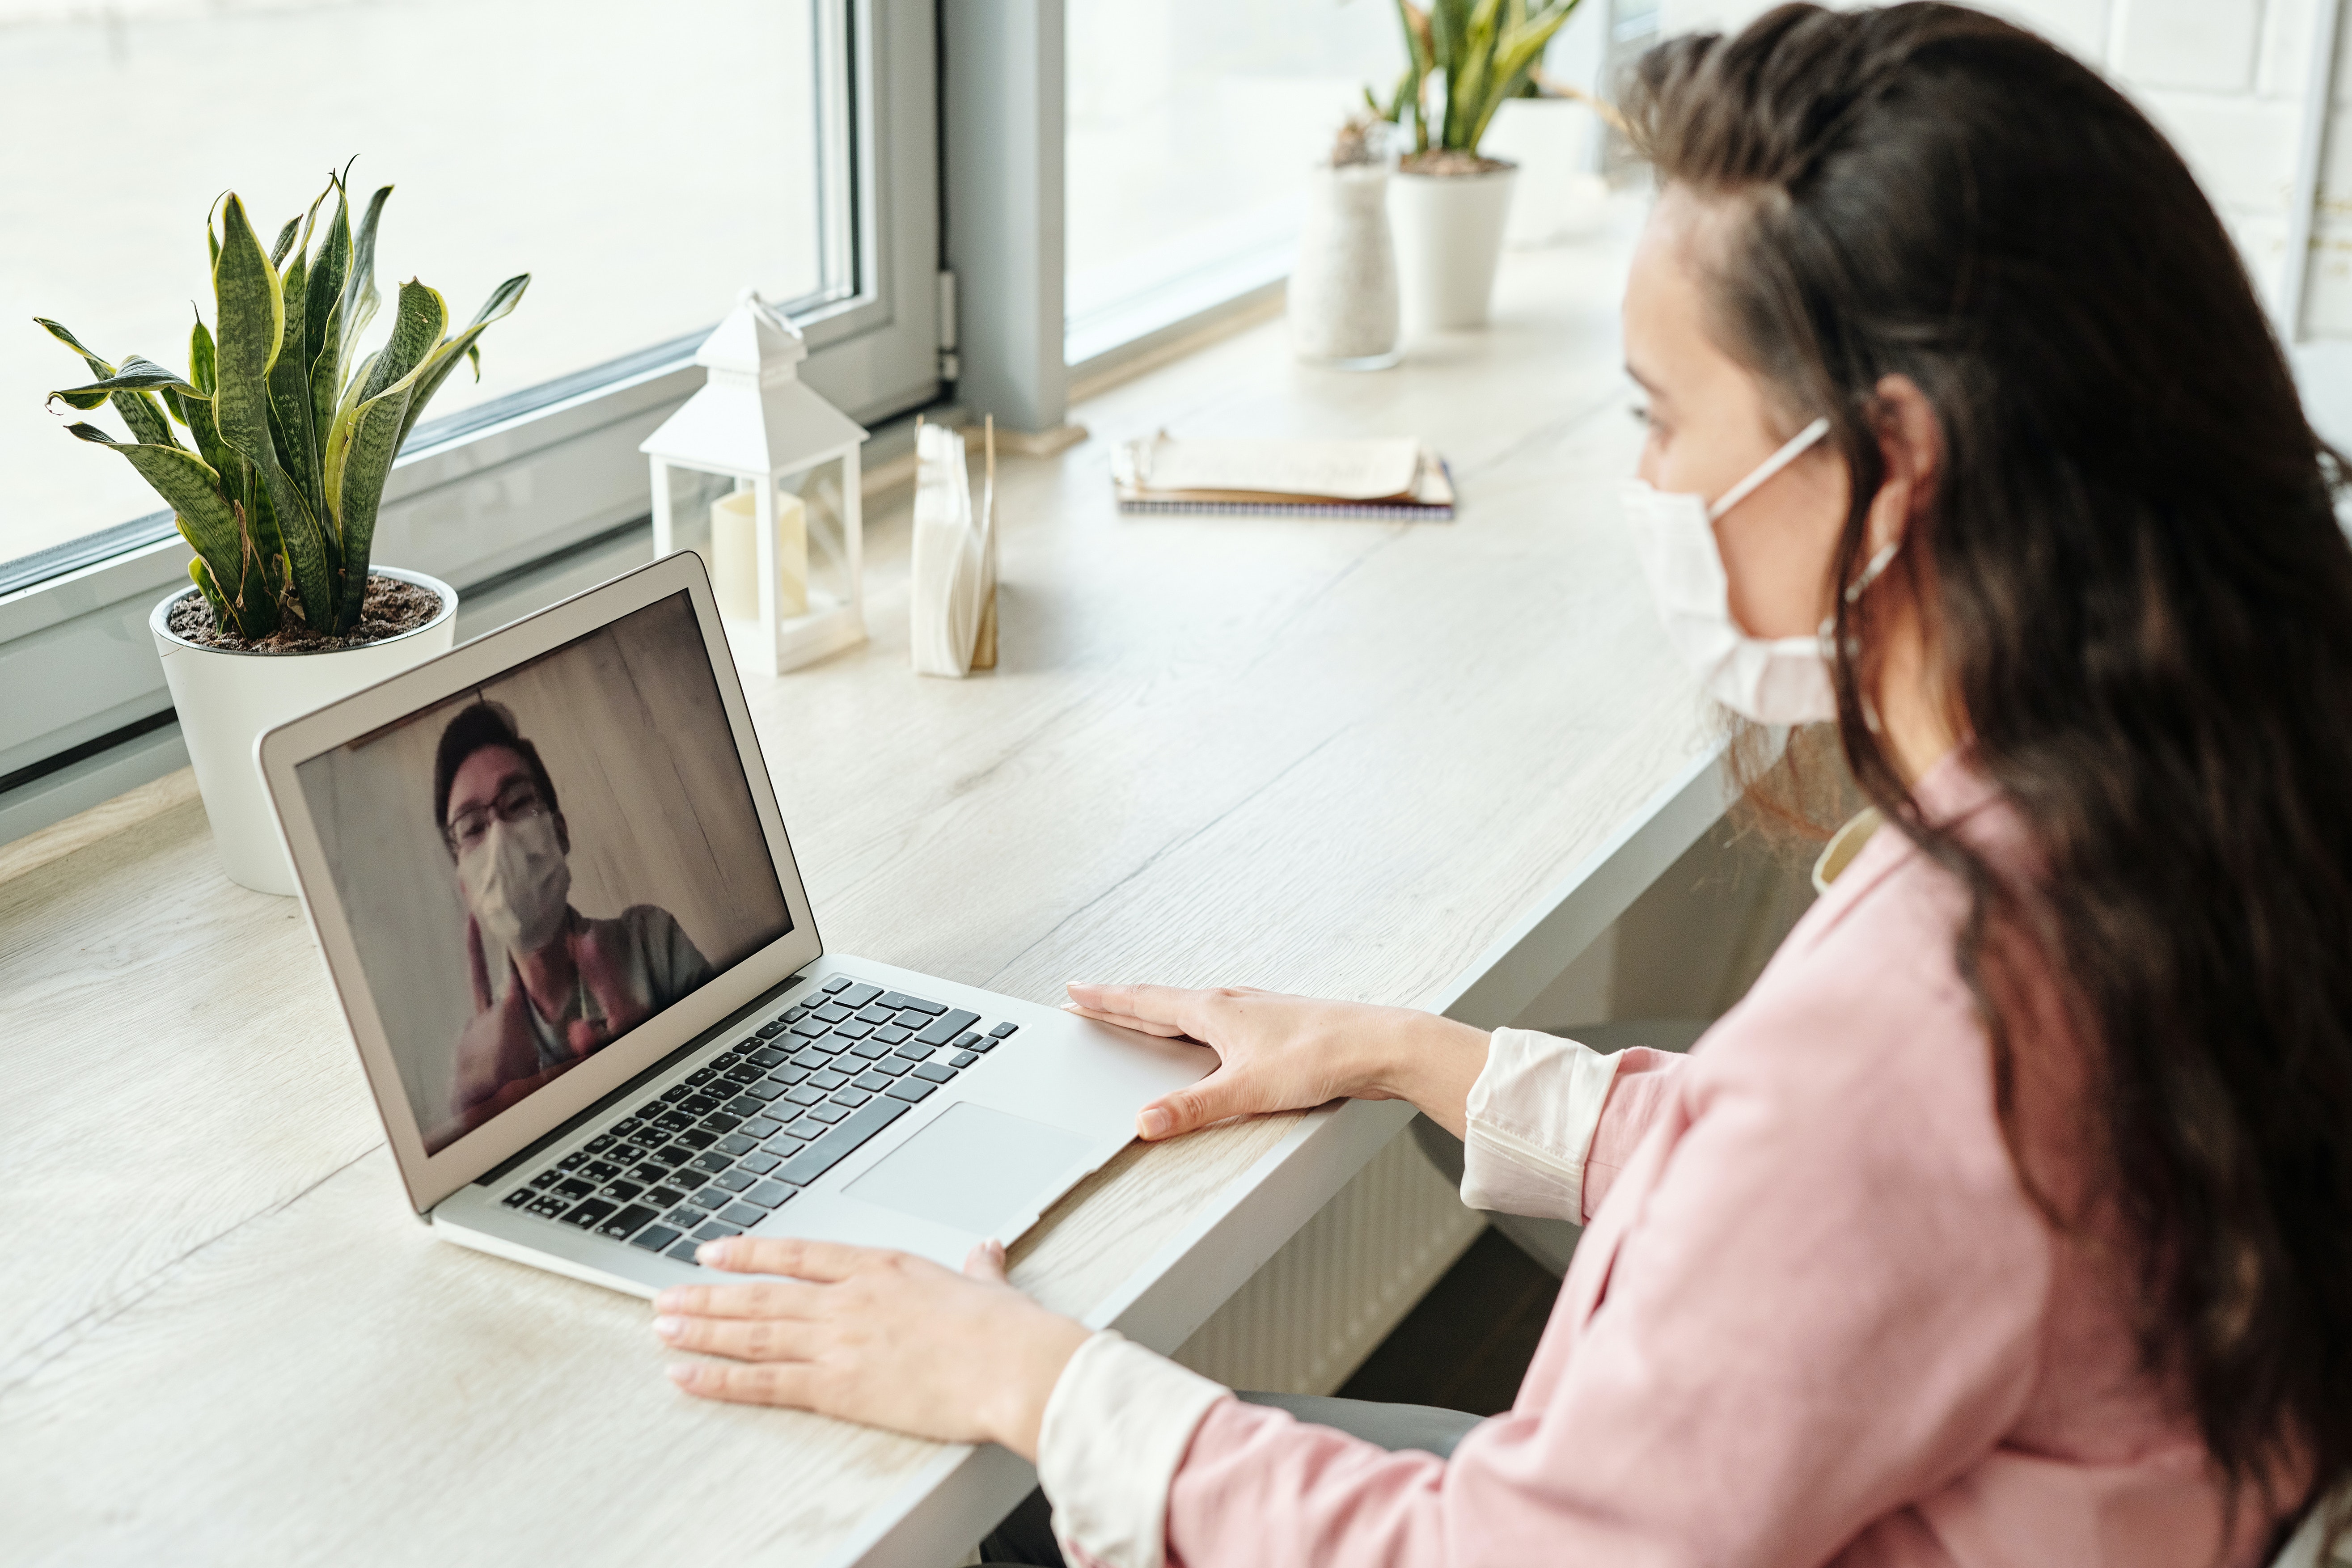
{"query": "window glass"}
pixel 643 164
pixel 1190 130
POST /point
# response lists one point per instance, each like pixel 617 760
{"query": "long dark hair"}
pixel 2133 582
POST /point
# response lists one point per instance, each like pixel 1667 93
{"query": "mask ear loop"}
pixel 1871 569
pixel 1871 572
pixel 1790 450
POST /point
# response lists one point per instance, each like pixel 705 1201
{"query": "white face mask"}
pixel 1772 680
pixel 518 882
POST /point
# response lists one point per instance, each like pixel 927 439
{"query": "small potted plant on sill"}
pixel 290 435
pixel 1450 205
pixel 1342 301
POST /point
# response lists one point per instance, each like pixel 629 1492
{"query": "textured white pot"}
pixel 225 701
pixel 1342 297
pixel 1559 196
pixel 1449 238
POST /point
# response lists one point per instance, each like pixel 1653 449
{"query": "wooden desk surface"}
pixel 1341 758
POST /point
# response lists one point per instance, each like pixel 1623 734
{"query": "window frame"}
pixel 484 496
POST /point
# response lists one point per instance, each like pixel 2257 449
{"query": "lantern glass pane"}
pixel 1190 130
pixel 644 163
pixel 820 492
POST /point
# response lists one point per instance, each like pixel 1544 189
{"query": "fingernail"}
pixel 683 1374
pixel 711 1254
pixel 1153 1122
pixel 667 1328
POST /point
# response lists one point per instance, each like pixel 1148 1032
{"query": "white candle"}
pixel 735 555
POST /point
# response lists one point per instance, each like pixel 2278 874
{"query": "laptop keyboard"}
pixel 734 1141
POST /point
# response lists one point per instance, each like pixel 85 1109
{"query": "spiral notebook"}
pixel 1373 477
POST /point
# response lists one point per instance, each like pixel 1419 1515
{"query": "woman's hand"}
pixel 877 1337
pixel 1285 1053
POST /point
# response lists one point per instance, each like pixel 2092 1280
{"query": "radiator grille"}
pixel 1307 1320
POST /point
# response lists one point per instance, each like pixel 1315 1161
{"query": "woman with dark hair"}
pixel 2008 1219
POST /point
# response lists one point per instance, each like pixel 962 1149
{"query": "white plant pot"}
pixel 1556 143
pixel 1342 297
pixel 226 700
pixel 1449 239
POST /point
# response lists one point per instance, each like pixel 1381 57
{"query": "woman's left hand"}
pixel 878 1337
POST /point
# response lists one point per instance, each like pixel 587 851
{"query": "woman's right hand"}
pixel 1286 1052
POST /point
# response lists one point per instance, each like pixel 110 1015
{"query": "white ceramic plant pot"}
pixel 1342 297
pixel 226 700
pixel 1560 195
pixel 1449 238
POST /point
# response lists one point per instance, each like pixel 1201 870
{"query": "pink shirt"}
pixel 1815 1318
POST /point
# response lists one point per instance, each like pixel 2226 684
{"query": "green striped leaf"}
pixel 289 378
pixel 201 358
pixel 191 489
pixel 125 387
pixel 285 240
pixel 323 315
pixel 359 297
pixel 261 525
pixel 252 318
pixel 339 433
pixel 144 418
pixel 417 330
pixel 313 559
pixel 1516 54
pixel 56 329
pixel 224 458
pixel 502 302
pixel 376 428
pixel 136 374
pixel 199 419
pixel 203 579
pixel 251 311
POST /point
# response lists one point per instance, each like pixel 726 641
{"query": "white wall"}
pixel 2227 81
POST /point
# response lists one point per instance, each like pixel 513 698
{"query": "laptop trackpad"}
pixel 972 1170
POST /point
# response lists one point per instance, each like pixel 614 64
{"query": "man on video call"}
pixel 566 986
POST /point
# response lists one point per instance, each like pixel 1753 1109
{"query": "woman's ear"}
pixel 1911 446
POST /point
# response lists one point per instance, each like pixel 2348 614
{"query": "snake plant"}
pixel 1484 50
pixel 291 431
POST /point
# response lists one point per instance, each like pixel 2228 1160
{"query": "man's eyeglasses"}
pixel 519 802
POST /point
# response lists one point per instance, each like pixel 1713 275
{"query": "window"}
pixel 1190 130
pixel 642 163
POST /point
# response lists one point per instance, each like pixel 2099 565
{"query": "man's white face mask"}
pixel 518 882
pixel 1772 680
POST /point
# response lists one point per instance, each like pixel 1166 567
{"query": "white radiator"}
pixel 1307 1320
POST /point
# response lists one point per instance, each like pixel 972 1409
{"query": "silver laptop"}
pixel 550 879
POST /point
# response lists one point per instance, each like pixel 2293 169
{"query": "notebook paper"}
pixel 1378 471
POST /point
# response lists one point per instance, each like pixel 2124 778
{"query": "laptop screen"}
pixel 536 866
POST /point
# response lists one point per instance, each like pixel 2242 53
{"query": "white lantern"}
pixel 754 422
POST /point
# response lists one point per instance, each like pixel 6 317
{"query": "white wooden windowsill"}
pixel 1421 765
